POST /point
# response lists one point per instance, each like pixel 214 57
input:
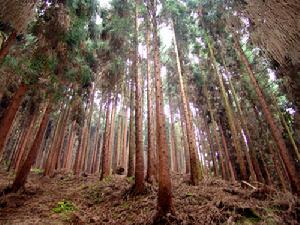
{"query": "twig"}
pixel 250 185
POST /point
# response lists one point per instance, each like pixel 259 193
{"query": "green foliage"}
pixel 64 206
pixel 77 33
pixel 37 170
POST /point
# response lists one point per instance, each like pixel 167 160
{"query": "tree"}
pixel 139 153
pixel 24 170
pixel 164 181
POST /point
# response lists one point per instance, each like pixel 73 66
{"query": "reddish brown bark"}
pixel 139 151
pixel 122 162
pixel 96 147
pixel 25 138
pixel 86 142
pixel 105 170
pixel 194 161
pixel 185 143
pixel 293 173
pixel 70 145
pixel 150 177
pixel 164 190
pixel 24 170
pixel 130 171
pixel 9 115
pixel 54 151
pixel 111 142
pixel 173 137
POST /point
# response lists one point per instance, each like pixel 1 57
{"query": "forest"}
pixel 149 112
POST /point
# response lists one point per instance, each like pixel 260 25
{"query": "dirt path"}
pixel 89 201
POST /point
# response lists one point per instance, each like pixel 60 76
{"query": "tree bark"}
pixel 194 162
pixel 54 152
pixel 173 141
pixel 150 156
pixel 70 145
pixel 24 170
pixel 164 190
pixel 105 170
pixel 26 137
pixel 9 115
pixel 293 173
pixel 139 185
pixel 130 171
pixel 230 116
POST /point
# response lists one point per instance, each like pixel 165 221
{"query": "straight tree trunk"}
pixel 164 182
pixel 150 156
pixel 24 142
pixel 194 162
pixel 70 145
pixel 293 173
pixel 139 185
pixel 250 152
pixel 96 147
pixel 130 171
pixel 212 151
pixel 105 171
pixel 111 142
pixel 9 115
pixel 86 146
pixel 230 116
pixel 185 143
pixel 54 153
pixel 228 159
pixel 124 146
pixel 22 173
pixel 173 141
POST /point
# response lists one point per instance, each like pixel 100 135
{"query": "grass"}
pixel 37 170
pixel 64 207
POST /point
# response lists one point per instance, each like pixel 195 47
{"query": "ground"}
pixel 66 199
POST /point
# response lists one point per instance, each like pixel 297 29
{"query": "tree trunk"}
pixel 228 159
pixel 86 145
pixel 293 173
pixel 150 156
pixel 173 143
pixel 194 162
pixel 212 151
pixel 24 142
pixel 9 115
pixel 54 152
pixel 123 157
pixel 230 116
pixel 24 170
pixel 185 143
pixel 130 171
pixel 96 147
pixel 111 142
pixel 164 181
pixel 70 145
pixel 105 171
pixel 139 185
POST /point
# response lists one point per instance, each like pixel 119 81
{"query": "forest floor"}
pixel 66 199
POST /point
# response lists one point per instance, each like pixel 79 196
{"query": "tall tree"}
pixel 164 181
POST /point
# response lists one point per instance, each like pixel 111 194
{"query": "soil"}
pixel 108 202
